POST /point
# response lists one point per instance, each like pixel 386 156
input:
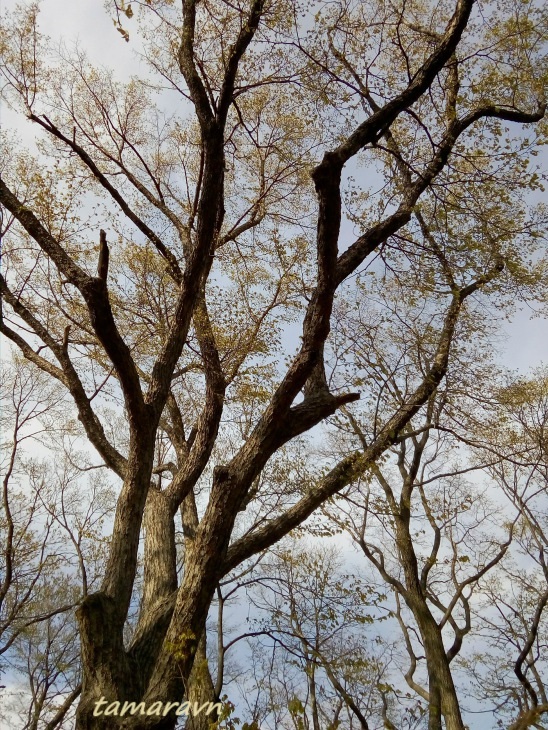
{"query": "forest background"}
pixel 323 629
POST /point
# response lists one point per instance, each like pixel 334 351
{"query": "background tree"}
pixel 513 618
pixel 52 552
pixel 311 627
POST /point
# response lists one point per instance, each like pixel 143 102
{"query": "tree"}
pixel 52 551
pixel 432 521
pixel 219 220
pixel 317 654
pixel 432 537
pixel 29 549
pixel 514 621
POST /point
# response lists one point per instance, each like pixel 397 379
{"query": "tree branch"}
pixel 66 374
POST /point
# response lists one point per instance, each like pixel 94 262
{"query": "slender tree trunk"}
pixel 313 698
pixel 443 695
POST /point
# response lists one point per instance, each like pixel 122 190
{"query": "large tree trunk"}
pixel 109 673
pixel 200 684
pixel 109 670
pixel 201 690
